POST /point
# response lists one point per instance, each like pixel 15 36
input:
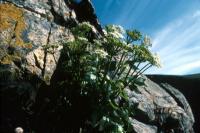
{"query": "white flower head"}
pixel 119 28
pixel 105 119
pixel 88 25
pixel 116 31
pixel 116 35
pixel 83 39
pixel 101 53
pixel 105 32
pixel 92 76
pixel 120 129
pixel 129 45
pixel 157 60
pixel 147 41
pixel 97 42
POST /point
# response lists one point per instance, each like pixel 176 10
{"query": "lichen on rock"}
pixel 12 21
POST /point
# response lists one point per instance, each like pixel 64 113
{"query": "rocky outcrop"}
pixel 188 85
pixel 162 107
pixel 32 29
pixel 30 57
pixel 30 32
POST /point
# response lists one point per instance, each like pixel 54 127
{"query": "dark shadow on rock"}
pixel 189 86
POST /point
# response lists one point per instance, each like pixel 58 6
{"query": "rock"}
pixel 19 130
pixel 143 128
pixel 161 107
pixel 180 99
pixel 188 85
pixel 34 27
pixel 61 9
pixel 30 66
pixel 30 34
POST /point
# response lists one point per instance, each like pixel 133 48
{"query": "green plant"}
pixel 99 70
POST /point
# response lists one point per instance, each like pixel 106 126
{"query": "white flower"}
pixel 129 45
pixel 101 53
pixel 88 25
pixel 82 39
pixel 147 41
pixel 157 60
pixel 92 76
pixel 120 129
pixel 116 34
pixel 105 119
pixel 116 31
pixel 97 42
pixel 118 28
pixel 105 32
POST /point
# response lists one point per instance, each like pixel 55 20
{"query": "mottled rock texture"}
pixel 30 54
pixel 163 107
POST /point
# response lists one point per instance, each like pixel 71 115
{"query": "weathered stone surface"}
pixel 154 105
pixel 143 128
pixel 30 32
pixel 180 99
pixel 29 26
pixel 33 26
pixel 60 7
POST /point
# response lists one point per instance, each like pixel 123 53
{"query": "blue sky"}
pixel 173 25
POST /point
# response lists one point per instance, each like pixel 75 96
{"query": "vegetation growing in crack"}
pixel 100 70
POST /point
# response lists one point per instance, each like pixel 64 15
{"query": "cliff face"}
pixel 29 68
pixel 29 27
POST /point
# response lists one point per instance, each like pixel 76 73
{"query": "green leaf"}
pixel 113 105
pixel 134 35
pixel 124 95
pixel 140 81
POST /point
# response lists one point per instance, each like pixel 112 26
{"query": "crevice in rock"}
pixel 180 103
pixel 46 52
pixel 13 34
pixel 180 99
pixel 36 61
pixel 56 62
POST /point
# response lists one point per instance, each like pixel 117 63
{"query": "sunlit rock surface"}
pixel 30 57
pixel 143 128
pixel 163 107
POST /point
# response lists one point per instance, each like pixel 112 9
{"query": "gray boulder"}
pixel 161 106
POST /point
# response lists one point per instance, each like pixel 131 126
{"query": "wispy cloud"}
pixel 178 44
pixel 196 14
pixel 173 26
pixel 186 67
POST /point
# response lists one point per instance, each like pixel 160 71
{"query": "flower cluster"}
pixel 157 60
pixel 115 31
pixel 101 53
pixel 83 30
pixel 147 41
pixel 100 70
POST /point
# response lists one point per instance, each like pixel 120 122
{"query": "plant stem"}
pixel 118 65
